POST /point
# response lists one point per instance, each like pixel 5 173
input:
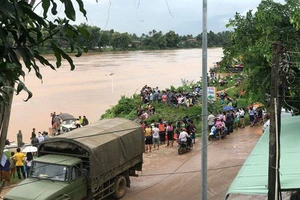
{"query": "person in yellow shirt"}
pixel 148 138
pixel 19 157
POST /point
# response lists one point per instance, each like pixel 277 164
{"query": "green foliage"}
pixel 23 32
pixel 252 41
pixel 125 108
pixel 104 40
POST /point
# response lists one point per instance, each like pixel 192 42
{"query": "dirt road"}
pixel 167 175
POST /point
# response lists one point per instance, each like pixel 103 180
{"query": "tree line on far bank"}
pixel 107 40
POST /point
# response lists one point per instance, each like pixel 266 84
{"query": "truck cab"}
pixel 52 177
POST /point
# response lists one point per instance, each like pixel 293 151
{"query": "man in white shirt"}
pixel 185 137
pixel 155 135
pixel 210 120
pixel 40 137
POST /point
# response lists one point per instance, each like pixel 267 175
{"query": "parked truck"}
pixel 91 162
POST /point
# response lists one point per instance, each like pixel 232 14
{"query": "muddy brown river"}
pixel 89 90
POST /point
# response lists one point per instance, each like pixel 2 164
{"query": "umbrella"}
pixel 226 108
pixel 257 105
pixel 29 149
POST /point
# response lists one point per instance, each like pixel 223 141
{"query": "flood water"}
pixel 89 91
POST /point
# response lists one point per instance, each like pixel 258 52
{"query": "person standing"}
pixel 210 120
pixel 34 140
pixel 242 117
pixel 80 120
pixel 57 122
pixel 237 119
pixel 33 134
pixel 193 130
pixel 170 135
pixel 12 165
pixel 229 121
pixel 251 115
pixel 162 132
pixel 4 169
pixel 85 121
pixel 45 134
pixel 19 138
pixel 40 137
pixel 28 160
pixel 148 139
pixel 155 135
pixel 19 157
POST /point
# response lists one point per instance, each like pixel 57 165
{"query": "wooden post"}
pixel 276 51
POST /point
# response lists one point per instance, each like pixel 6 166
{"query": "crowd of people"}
pixel 162 133
pixel 224 122
pixel 56 124
pixel 167 97
pixel 19 163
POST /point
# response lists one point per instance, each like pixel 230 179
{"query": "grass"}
pixel 127 106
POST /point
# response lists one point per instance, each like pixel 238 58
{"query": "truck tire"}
pixel 120 187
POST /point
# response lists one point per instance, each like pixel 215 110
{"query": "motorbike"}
pixel 183 147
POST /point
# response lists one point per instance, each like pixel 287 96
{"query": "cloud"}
pixel 141 16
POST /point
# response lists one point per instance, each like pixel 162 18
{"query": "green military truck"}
pixel 91 162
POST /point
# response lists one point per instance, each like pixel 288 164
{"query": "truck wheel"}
pixel 120 187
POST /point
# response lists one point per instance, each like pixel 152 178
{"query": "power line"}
pixel 193 171
pixel 169 174
pixel 108 14
pixel 169 8
pixel 139 2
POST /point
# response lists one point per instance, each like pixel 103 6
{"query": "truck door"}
pixel 78 183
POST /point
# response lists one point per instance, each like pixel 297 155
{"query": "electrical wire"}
pixel 107 21
pixel 108 15
pixel 169 8
pixel 168 174
pixel 295 110
pixel 139 2
pixel 136 13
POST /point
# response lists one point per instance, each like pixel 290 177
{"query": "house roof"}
pixel 253 176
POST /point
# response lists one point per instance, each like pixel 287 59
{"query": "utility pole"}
pixel 275 115
pixel 204 103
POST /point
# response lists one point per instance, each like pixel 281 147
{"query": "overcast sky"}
pixel 182 16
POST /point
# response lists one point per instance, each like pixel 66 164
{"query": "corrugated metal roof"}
pixel 253 176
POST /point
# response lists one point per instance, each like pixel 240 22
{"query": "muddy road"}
pixel 167 175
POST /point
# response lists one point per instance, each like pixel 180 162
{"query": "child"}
pixel 12 165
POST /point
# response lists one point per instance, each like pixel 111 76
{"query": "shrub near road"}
pixel 127 106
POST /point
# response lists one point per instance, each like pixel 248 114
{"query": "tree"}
pixel 252 40
pixel 22 33
pixel 120 40
pixel 95 36
pixel 172 39
pixel 105 39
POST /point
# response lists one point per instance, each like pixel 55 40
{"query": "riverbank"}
pixel 89 91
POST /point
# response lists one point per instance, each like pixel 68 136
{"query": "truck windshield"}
pixel 50 171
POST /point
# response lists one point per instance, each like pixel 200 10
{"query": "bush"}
pixel 126 106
